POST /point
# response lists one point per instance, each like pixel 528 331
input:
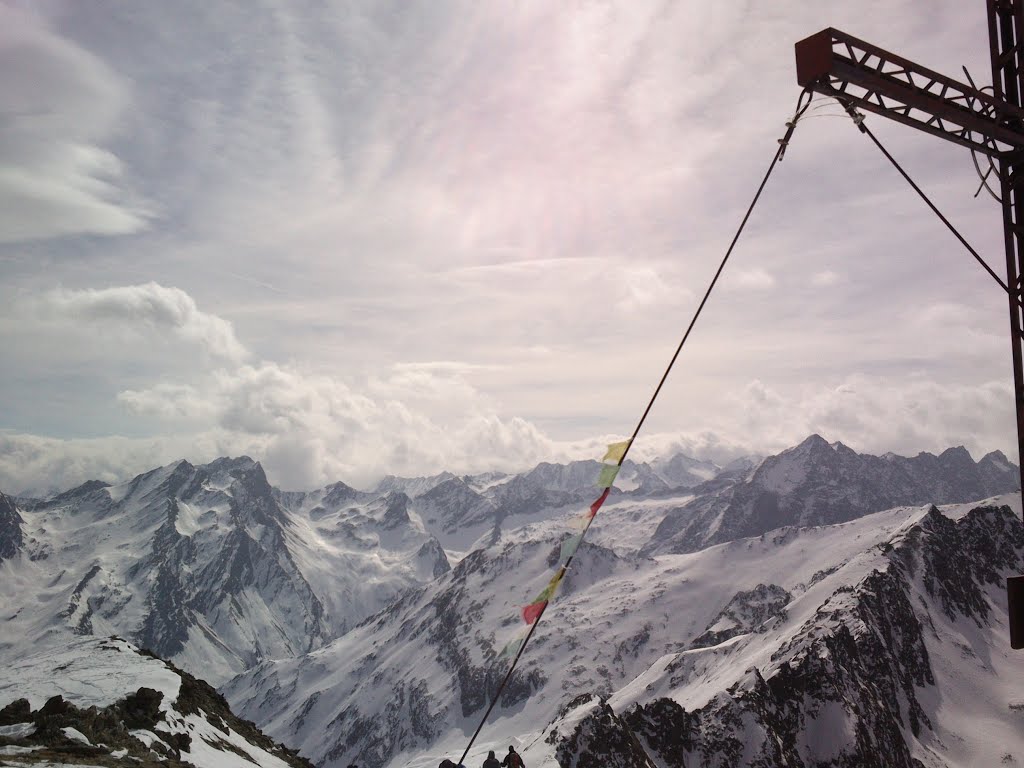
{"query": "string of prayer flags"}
pixel 580 522
pixel 533 611
pixel 535 608
pixel 548 592
pixel 616 451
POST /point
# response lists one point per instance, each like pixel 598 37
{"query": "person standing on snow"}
pixel 513 760
pixel 491 761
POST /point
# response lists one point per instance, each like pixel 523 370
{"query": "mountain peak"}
pixel 227 463
pixel 815 483
pixel 812 441
pixel 85 488
pixel 957 453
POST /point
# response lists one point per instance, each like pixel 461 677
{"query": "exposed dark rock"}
pixel 11 537
pixel 142 708
pixel 108 729
pixel 396 512
pixel 18 711
pixel 84 490
pixel 747 611
pixel 600 740
pixel 452 504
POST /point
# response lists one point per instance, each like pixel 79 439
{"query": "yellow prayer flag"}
pixel 549 591
pixel 616 451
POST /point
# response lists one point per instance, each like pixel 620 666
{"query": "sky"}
pixel 366 238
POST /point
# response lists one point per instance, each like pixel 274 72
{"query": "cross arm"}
pixel 836 64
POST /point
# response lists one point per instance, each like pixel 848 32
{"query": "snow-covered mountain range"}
pixel 363 625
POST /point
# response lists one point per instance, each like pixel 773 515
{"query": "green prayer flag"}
pixel 607 476
pixel 569 546
pixel 511 648
pixel 616 451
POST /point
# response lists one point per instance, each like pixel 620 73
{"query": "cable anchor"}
pixel 801 107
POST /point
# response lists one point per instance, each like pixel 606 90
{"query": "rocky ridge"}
pixel 205 566
pixel 856 683
pixel 815 483
pixel 115 726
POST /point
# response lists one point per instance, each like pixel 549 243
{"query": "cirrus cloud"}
pixel 59 104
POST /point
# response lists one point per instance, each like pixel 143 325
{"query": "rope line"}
pixel 858 120
pixel 801 108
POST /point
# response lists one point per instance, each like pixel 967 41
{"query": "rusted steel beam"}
pixel 836 64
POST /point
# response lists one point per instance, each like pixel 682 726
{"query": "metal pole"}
pixel 1005 28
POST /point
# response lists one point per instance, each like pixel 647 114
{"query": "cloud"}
pixel 312 429
pixel 877 414
pixel 150 306
pixel 537 195
pixel 58 103
pixel 752 279
pixel 40 466
pixel 871 414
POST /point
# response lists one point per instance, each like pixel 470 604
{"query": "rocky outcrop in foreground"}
pixel 144 727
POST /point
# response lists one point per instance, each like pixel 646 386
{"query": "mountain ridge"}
pixel 377 616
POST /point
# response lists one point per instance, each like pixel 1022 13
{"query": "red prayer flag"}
pixel 532 611
pixel 600 500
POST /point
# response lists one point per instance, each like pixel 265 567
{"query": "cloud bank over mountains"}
pixel 310 429
pixel 360 240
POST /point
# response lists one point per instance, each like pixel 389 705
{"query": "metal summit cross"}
pixel 862 76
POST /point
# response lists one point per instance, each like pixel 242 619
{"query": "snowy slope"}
pixel 359 550
pixel 408 685
pixel 204 566
pixel 900 657
pixel 100 700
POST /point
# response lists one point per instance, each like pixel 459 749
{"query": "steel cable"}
pixel 801 108
pixel 858 120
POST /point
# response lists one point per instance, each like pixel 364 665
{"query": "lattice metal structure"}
pixel 1005 30
pixel 834 63
pixel 857 73
pixel 867 77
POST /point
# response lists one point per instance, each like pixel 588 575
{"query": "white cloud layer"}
pixel 310 428
pixel 309 431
